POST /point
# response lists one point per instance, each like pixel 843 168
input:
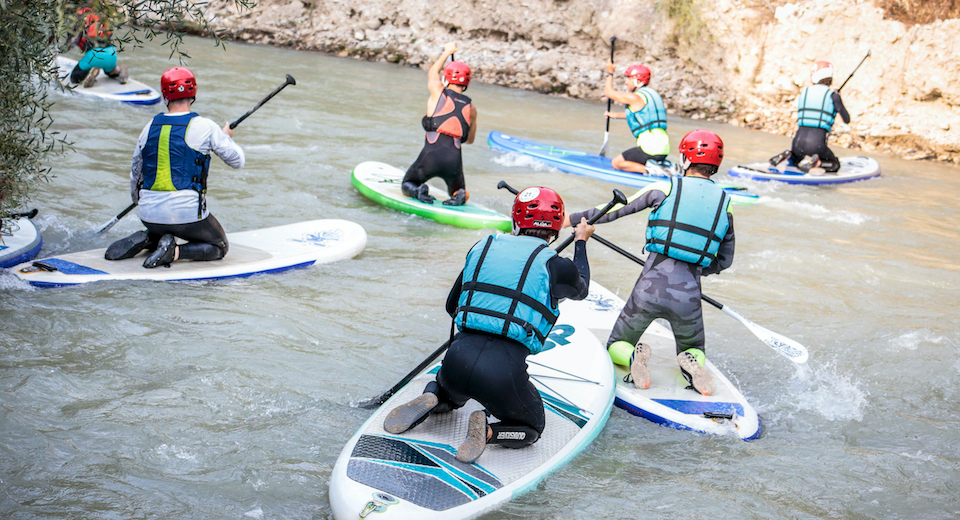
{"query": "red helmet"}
pixel 638 72
pixel 821 70
pixel 701 147
pixel 537 208
pixel 457 73
pixel 178 83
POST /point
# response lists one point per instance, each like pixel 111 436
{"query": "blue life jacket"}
pixel 506 290
pixel 815 107
pixel 652 115
pixel 691 221
pixel 168 163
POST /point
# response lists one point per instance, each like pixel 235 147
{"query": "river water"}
pixel 233 399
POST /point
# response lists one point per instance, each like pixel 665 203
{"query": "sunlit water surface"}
pixel 233 399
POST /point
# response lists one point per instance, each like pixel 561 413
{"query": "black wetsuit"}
pixel 813 140
pixel 206 239
pixel 492 369
pixel 440 156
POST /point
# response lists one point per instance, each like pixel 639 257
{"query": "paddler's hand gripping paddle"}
pixel 618 198
pixel 289 81
pixel 785 346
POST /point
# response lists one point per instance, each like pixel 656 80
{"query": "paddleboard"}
pixel 852 169
pixel 267 250
pixel 381 183
pixel 132 92
pixel 599 167
pixel 415 475
pixel 21 243
pixel 668 401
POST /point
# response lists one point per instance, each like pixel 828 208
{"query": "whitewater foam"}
pixel 817 211
pixel 516 160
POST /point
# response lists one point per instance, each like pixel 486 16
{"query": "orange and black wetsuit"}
pixel 440 157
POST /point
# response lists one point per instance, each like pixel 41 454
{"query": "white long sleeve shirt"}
pixel 180 207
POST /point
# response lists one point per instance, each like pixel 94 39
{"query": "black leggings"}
pixel 206 239
pixel 810 141
pixel 492 370
pixel 442 159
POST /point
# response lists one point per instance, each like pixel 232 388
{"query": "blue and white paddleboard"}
pixel 852 169
pixel 668 401
pixel 22 242
pixel 132 92
pixel 267 250
pixel 598 167
pixel 416 476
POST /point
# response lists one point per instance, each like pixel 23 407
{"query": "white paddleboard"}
pixel 852 169
pixel 416 476
pixel 668 401
pixel 381 183
pixel 20 244
pixel 251 252
pixel 132 92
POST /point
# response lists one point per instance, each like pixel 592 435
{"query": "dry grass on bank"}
pixel 920 11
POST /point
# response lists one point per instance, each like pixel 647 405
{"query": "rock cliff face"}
pixel 736 61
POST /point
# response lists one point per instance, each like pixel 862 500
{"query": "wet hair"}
pixel 545 234
pixel 704 169
pixel 825 81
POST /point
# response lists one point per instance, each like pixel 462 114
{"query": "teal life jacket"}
pixel 169 164
pixel 652 115
pixel 691 221
pixel 506 290
pixel 815 107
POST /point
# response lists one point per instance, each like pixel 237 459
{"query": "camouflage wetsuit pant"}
pixel 668 289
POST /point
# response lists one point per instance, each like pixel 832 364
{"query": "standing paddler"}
pixel 504 304
pixel 645 114
pixel 689 235
pixel 168 179
pixel 451 121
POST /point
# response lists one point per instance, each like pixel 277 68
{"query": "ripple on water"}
pixel 516 160
pixel 816 211
pixel 829 393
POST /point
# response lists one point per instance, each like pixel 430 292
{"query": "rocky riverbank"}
pixel 737 61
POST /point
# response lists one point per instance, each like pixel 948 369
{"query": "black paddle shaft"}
pixel 854 71
pixel 618 198
pixel 288 81
pixel 613 40
pixel 29 214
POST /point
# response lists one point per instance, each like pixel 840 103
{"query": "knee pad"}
pixel 513 436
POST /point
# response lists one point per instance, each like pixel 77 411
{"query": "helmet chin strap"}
pixel 684 163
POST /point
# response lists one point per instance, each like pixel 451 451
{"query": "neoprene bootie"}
pixel 691 366
pixel 423 194
pixel 406 416
pixel 808 162
pixel 128 247
pixel 459 198
pixel 166 250
pixel 472 447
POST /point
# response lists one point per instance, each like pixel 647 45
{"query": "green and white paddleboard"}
pixel 381 183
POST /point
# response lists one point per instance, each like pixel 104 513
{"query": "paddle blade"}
pixel 603 149
pixel 373 402
pixel 785 346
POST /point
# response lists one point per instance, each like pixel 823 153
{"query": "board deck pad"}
pixel 251 252
pixel 381 183
pixel 852 169
pixel 132 92
pixel 20 244
pixel 668 401
pixel 415 475
pixel 599 167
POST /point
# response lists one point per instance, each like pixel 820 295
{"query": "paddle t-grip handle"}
pixel 289 81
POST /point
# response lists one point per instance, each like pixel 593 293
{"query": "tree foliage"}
pixel 32 33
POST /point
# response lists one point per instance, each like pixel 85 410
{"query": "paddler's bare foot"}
pixel 91 77
pixel 477 435
pixel 408 415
